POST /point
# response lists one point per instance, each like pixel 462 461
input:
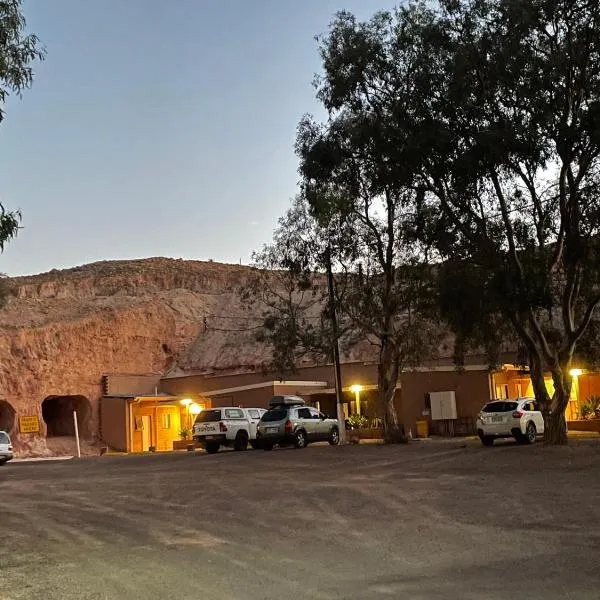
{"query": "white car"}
pixel 227 426
pixel 6 449
pixel 520 418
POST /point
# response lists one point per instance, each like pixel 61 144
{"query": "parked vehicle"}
pixel 520 418
pixel 6 449
pixel 290 422
pixel 229 426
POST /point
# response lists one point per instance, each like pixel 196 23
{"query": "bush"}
pixel 184 434
pixel 590 409
pixel 357 421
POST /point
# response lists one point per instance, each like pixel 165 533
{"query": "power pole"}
pixel 335 346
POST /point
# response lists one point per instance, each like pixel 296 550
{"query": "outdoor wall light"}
pixel 575 372
pixel 186 401
pixel 195 409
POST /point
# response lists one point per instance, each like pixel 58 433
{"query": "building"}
pixel 133 421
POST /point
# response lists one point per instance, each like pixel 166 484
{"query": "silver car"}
pixel 289 422
pixel 6 449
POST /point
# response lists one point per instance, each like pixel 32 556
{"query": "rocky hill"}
pixel 62 330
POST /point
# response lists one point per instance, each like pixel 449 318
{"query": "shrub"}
pixel 590 409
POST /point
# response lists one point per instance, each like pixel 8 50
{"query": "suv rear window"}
pixel 277 414
pixel 494 407
pixel 4 438
pixel 207 416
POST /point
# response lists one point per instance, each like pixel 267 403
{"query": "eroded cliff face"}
pixel 61 331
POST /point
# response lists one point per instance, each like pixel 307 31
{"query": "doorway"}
pixel 146 437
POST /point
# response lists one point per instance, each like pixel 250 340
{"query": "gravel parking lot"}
pixel 429 520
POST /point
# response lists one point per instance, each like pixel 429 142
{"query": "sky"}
pixel 159 128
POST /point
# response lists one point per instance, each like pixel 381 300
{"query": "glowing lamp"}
pixel 575 372
pixel 195 409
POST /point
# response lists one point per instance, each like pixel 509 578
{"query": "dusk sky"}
pixel 159 128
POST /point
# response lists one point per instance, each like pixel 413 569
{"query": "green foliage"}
pixel 358 421
pixel 482 120
pixel 18 50
pixel 590 409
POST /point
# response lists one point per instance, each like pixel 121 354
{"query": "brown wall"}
pixel 472 390
pixel 123 385
pixel 113 423
pixel 256 398
pixel 365 374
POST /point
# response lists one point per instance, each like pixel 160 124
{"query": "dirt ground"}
pixel 425 521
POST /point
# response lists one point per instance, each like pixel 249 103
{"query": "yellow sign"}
pixel 29 424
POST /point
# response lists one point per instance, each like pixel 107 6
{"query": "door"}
pixel 146 435
pixel 321 426
pixel 308 423
pixel 253 417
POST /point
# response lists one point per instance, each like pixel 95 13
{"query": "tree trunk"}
pixel 555 432
pixel 387 379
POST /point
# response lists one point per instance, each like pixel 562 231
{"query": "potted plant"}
pixel 590 409
pixel 184 433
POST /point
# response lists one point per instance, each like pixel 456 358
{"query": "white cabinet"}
pixel 443 406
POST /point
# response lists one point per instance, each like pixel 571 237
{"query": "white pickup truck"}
pixel 227 426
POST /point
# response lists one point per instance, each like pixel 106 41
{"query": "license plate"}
pixel 497 419
pixel 272 429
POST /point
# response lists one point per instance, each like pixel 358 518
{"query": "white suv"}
pixel 6 449
pixel 228 426
pixel 520 418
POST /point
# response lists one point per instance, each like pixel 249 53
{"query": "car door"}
pixel 253 418
pixel 538 417
pixel 307 422
pixel 235 419
pixel 321 427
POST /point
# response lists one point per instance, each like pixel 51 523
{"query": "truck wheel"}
pixel 334 437
pixel 212 447
pixel 241 441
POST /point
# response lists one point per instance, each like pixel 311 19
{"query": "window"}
pixel 4 438
pixel 208 416
pixel 314 414
pixel 254 414
pixel 496 407
pixel 304 413
pixel 234 413
pixel 277 414
pixel 166 420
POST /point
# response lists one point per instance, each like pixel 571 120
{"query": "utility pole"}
pixel 335 346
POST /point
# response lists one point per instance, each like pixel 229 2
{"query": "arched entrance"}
pixel 57 412
pixel 7 416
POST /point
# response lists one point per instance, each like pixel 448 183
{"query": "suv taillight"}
pixel 517 414
pixel 288 427
pixel 222 427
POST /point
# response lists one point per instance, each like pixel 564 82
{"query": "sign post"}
pixel 77 434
